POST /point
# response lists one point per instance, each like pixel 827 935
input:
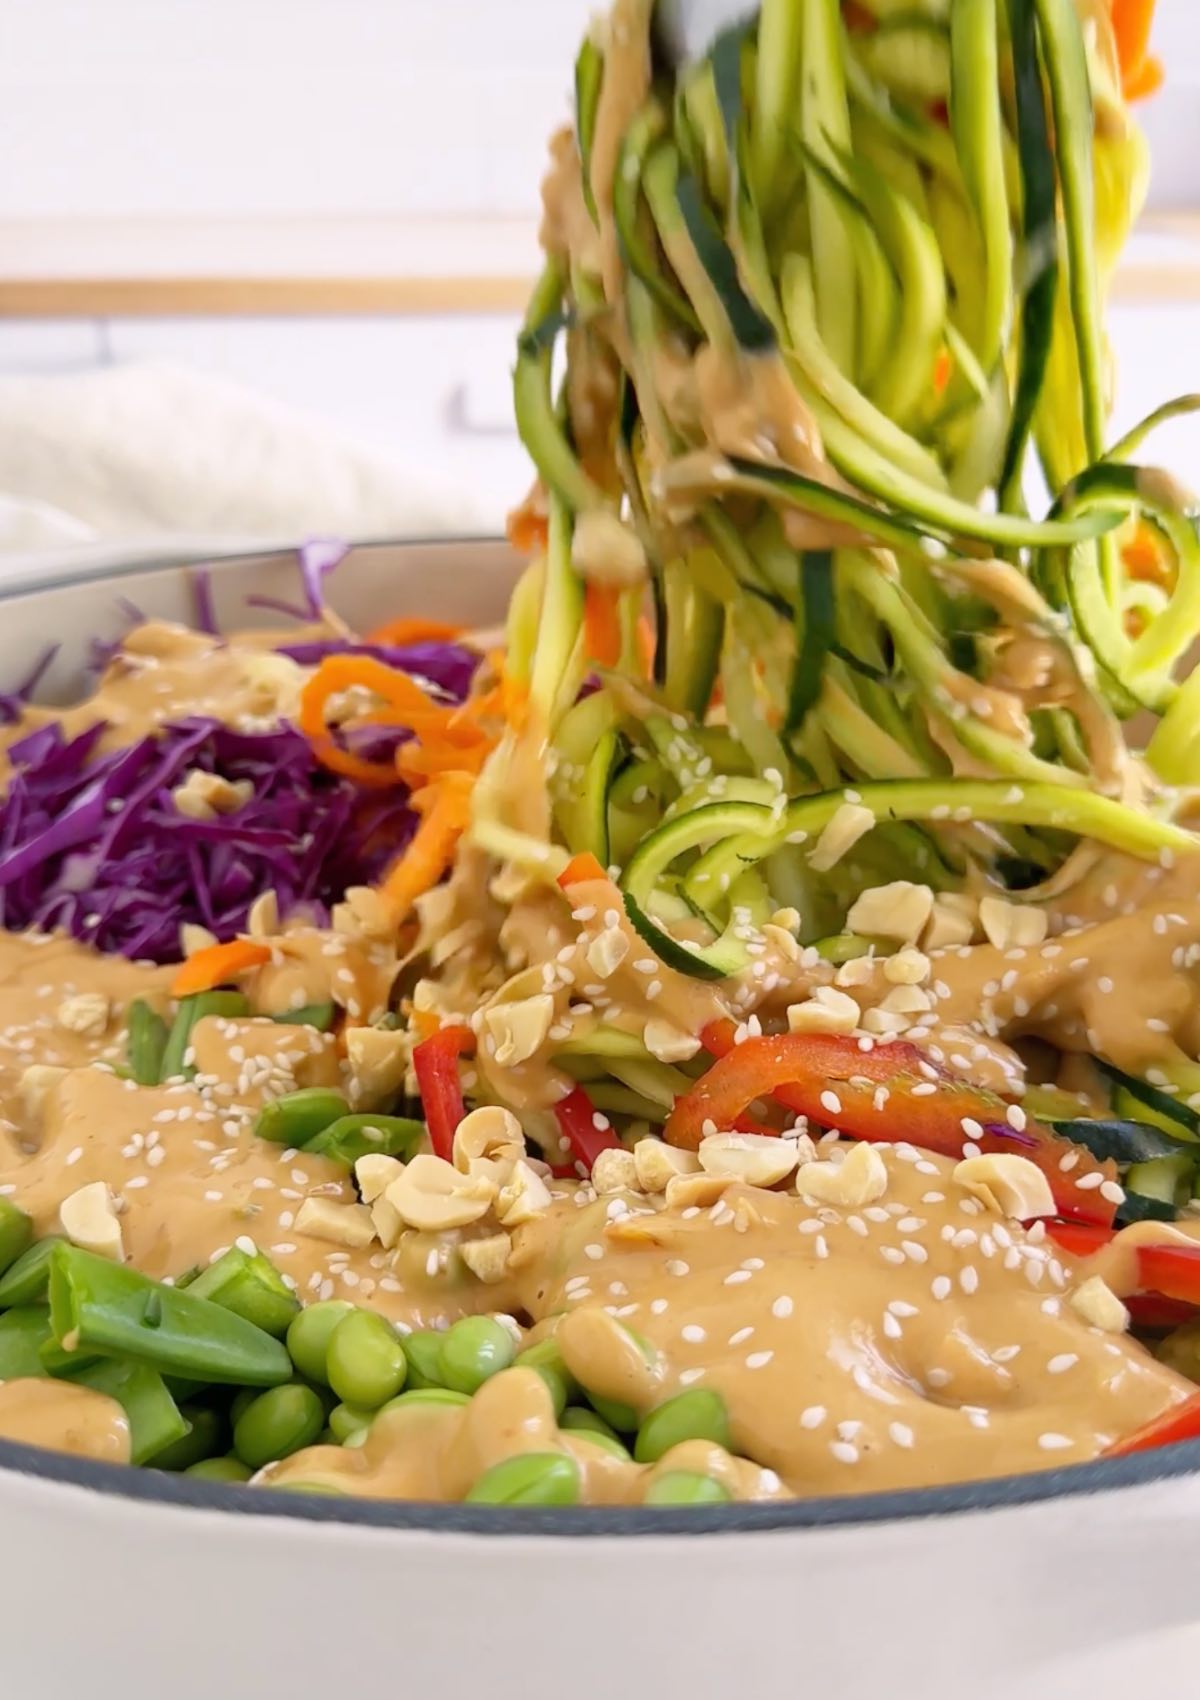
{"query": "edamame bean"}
pixel 547 1360
pixel 348 1424
pixel 205 1436
pixel 686 1487
pixel 416 1396
pixel 16 1233
pixel 365 1362
pixel 309 1334
pixel 531 1478
pixel 278 1423
pixel 423 1350
pixel 698 1414
pixel 608 1442
pixel 474 1350
pixel 586 1421
pixel 622 1418
pixel 241 1402
pixel 228 1469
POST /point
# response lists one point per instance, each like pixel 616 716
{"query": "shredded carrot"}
pixel 445 810
pixel 602 624
pixel 410 629
pixel 1145 81
pixel 216 964
pixel 1145 558
pixel 1141 73
pixel 424 1023
pixel 528 527
pixel 943 371
pixel 580 868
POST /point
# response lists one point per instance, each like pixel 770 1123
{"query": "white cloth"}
pixel 156 454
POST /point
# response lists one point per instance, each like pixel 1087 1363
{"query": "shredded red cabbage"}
pixel 95 846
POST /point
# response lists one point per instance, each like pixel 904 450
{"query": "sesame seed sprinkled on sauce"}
pixel 844 1452
pixel 759 1360
pixel 813 1416
pixel 1051 1442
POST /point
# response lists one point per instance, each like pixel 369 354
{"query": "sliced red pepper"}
pixel 1079 1239
pixel 576 1116
pixel 435 1063
pixel 1151 1314
pixel 1168 1273
pixel 1181 1422
pixel 802 1070
pixel 580 868
pixel 1171 1270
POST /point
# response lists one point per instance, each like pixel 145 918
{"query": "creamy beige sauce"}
pixel 66 1418
pixel 921 1338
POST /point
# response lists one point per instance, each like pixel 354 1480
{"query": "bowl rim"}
pixel 843 1511
pixel 164 1490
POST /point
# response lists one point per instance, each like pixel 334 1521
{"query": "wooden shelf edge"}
pixel 194 297
pixel 251 297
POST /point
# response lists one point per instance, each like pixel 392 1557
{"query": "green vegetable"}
pixel 276 1424
pixel 190 1011
pixel 203 1438
pixel 98 1306
pixel 299 1117
pixel 686 1487
pixel 25 1281
pixel 474 1349
pixel 147 1042
pixel 309 1334
pixel 23 1332
pixel 351 1137
pixel 531 1478
pixel 547 1360
pixel 16 1234
pixel 423 1352
pixel 365 1363
pixel 227 1469
pixel 419 1396
pixel 251 1287
pixel 156 1424
pixel 349 1423
pixel 698 1414
pixel 318 1015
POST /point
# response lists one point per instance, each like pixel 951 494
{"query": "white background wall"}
pixel 288 109
pixel 119 107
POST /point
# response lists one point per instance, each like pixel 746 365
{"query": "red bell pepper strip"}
pixel 831 1081
pixel 1150 1314
pixel 1172 1271
pixel 576 1116
pixel 435 1063
pixel 1169 1272
pixel 1181 1422
pixel 1078 1238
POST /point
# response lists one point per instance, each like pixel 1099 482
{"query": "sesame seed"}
pixel 595 1252
pixel 941 1287
pixel 813 1416
pixel 688 1376
pixel 968 1279
pixel 658 1306
pixel 891 1327
pixel 1054 1442
pixel 736 1276
pixel 891 1254
pixel 844 1452
pixel 694 1334
pixel 857 1226
pixel 783 1306
pixel 821 1246
pixel 676 1266
pixel 902 1435
pixel 759 1360
pixel 1062 1363
pixel 831 1102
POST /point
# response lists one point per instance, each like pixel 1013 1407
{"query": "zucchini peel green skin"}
pixel 846 275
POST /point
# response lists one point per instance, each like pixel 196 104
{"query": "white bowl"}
pixel 1072 1583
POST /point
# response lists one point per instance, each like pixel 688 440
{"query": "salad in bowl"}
pixel 734 1034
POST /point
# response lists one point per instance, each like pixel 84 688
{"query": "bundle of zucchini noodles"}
pixel 827 295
